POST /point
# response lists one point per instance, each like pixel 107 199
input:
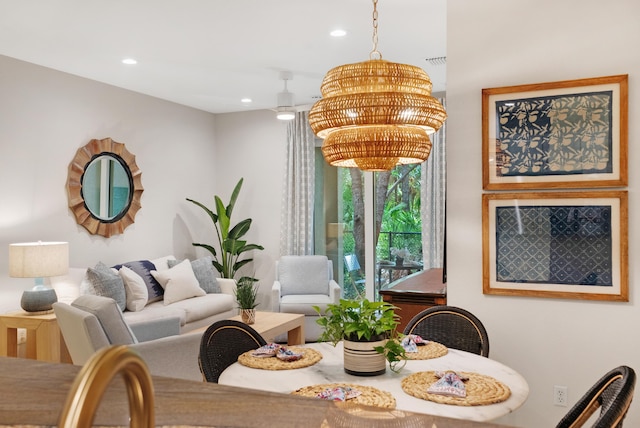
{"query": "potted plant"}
pixel 246 295
pixel 230 245
pixel 368 330
pixel 401 254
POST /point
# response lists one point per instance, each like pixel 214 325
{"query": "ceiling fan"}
pixel 286 109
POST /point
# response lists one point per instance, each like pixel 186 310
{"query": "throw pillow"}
pixel 203 270
pixel 179 283
pixel 144 268
pixel 105 282
pixel 135 288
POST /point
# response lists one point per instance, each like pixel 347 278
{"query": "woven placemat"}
pixel 370 396
pixel 346 415
pixel 480 389
pixel 428 351
pixel 309 358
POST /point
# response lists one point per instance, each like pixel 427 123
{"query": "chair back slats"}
pixel 222 343
pixel 451 326
pixel 612 394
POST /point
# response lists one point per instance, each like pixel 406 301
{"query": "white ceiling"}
pixel 209 54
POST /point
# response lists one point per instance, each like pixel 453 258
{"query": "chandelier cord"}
pixel 375 51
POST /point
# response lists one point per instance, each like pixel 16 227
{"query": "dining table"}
pixel 33 394
pixel 330 370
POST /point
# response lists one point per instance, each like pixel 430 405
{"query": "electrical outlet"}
pixel 560 395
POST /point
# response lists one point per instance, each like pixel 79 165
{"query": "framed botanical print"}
pixel 566 134
pixel 552 244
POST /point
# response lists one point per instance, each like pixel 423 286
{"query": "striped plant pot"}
pixel 361 359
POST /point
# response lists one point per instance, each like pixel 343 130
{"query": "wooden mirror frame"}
pixel 77 167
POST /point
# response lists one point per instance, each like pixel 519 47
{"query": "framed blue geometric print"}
pixel 568 134
pixel 570 245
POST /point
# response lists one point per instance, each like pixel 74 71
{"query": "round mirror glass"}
pixel 106 187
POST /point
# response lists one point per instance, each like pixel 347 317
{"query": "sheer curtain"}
pixel 296 224
pixel 433 196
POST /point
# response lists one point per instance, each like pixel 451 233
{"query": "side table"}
pixel 44 339
pixel 414 293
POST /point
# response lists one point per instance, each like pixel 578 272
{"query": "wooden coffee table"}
pixel 271 324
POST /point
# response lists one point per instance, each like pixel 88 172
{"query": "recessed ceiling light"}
pixel 246 100
pixel 338 33
pixel 129 61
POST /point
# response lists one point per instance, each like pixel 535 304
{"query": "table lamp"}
pixel 38 260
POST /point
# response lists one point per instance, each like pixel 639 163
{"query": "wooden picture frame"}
pixel 556 244
pixel 567 134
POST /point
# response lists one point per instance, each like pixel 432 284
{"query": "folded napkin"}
pixel 450 383
pixel 268 350
pixel 285 354
pixel 411 342
pixel 340 393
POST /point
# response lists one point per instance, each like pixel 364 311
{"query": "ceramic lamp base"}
pixel 38 300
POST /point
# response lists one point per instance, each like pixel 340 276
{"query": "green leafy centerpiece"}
pixel 368 330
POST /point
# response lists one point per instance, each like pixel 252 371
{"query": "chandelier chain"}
pixel 375 53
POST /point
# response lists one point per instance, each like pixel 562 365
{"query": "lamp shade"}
pixel 375 115
pixel 38 259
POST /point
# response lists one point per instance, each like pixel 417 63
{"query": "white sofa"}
pixel 193 312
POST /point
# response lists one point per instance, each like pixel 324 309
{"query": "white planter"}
pixel 227 285
pixel 361 359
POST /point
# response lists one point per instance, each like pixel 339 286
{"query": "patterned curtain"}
pixel 433 189
pixel 296 225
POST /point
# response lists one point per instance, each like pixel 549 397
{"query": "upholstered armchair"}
pixel 302 282
pixel 93 322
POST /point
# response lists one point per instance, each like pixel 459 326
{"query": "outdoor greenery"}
pixel 400 222
pixel 227 262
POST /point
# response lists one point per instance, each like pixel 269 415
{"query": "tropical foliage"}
pixel 398 221
pixel 227 258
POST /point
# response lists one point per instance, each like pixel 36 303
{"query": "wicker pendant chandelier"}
pixel 376 114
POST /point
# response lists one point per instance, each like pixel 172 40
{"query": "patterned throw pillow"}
pixel 144 268
pixel 203 270
pixel 105 282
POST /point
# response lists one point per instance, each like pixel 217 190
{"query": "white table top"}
pixel 331 370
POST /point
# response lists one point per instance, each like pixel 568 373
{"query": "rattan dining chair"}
pixel 222 343
pixel 612 393
pixel 451 326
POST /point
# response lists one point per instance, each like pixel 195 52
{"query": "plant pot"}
pixel 248 316
pixel 361 359
pixel 399 261
pixel 227 285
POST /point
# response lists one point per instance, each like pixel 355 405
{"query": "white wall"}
pixel 493 43
pixel 45 116
pixel 253 145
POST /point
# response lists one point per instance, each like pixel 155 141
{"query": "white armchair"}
pixel 92 322
pixel 302 282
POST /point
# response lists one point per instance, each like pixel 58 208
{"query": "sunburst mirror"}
pixel 104 187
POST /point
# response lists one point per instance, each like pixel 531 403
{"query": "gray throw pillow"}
pixel 203 270
pixel 105 282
